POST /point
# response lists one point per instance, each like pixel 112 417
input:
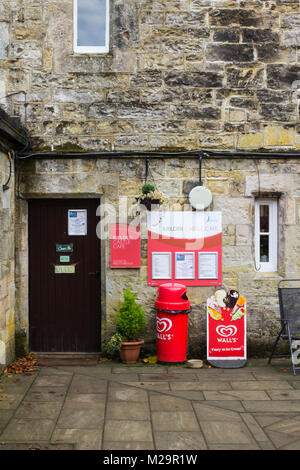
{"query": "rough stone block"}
pixel 250 141
pixel 279 136
pixel 230 53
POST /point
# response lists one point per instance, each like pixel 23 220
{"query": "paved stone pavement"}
pixel 115 407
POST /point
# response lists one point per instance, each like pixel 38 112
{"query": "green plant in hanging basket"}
pixel 150 195
pixel 131 317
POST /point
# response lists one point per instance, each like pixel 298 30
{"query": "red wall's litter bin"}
pixel 172 308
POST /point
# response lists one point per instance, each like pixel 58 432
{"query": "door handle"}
pixel 96 273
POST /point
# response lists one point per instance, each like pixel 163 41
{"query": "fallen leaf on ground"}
pixel 22 365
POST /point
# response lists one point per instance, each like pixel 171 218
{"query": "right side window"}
pixel 266 235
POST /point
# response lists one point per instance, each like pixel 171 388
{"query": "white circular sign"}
pixel 200 197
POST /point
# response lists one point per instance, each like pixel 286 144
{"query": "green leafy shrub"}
pixel 113 345
pixel 131 317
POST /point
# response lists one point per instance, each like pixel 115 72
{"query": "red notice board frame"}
pixel 210 242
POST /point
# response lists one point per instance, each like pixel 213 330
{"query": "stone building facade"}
pixel 180 75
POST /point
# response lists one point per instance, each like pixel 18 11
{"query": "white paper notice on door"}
pixel 161 266
pixel 77 222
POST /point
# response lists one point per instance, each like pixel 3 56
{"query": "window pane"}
pixel 91 22
pixel 264 248
pixel 264 218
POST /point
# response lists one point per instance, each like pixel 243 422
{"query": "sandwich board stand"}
pixel 226 330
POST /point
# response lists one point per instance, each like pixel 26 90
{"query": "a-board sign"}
pixel 185 246
pixel 226 327
pixel 125 246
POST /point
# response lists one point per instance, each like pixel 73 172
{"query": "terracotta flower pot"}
pixel 130 351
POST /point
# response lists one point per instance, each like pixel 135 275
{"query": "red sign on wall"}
pixel 226 326
pixel 125 246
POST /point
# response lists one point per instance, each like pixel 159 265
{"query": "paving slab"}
pixel 201 385
pixel 81 439
pixel 45 394
pixel 284 394
pixel 149 385
pixel 226 432
pixel 187 394
pixel 86 418
pixel 167 377
pixel 129 430
pixel 207 412
pixel 86 384
pixel 128 410
pixel 120 392
pixel 174 421
pixel 5 416
pixel 233 405
pixel 39 410
pixel 261 385
pixel 173 440
pixel 236 395
pixel 52 380
pixel 10 401
pixel 159 402
pixel 272 406
pixel 28 429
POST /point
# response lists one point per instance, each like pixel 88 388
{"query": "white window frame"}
pixel 272 264
pixel 90 49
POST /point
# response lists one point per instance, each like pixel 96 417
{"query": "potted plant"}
pixel 130 322
pixel 150 195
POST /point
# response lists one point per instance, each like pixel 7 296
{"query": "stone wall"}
pixel 184 74
pixel 7 264
pixel 233 184
pixel 180 75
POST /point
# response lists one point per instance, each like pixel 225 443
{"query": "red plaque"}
pixel 125 246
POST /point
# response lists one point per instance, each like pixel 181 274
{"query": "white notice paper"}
pixel 161 266
pixel 207 265
pixel 77 222
pixel 185 265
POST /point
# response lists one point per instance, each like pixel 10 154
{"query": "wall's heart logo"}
pixel 226 331
pixel 163 324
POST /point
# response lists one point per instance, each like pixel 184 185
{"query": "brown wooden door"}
pixel 64 308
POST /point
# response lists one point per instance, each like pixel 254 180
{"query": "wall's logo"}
pixel 226 331
pixel 163 325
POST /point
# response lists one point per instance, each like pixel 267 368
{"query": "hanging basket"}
pixel 148 202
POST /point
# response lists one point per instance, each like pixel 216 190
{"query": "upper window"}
pixel 91 26
pixel 266 235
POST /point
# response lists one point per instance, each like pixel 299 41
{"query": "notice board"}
pixel 185 247
pixel 125 246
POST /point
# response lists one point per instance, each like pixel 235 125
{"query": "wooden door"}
pixel 64 276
